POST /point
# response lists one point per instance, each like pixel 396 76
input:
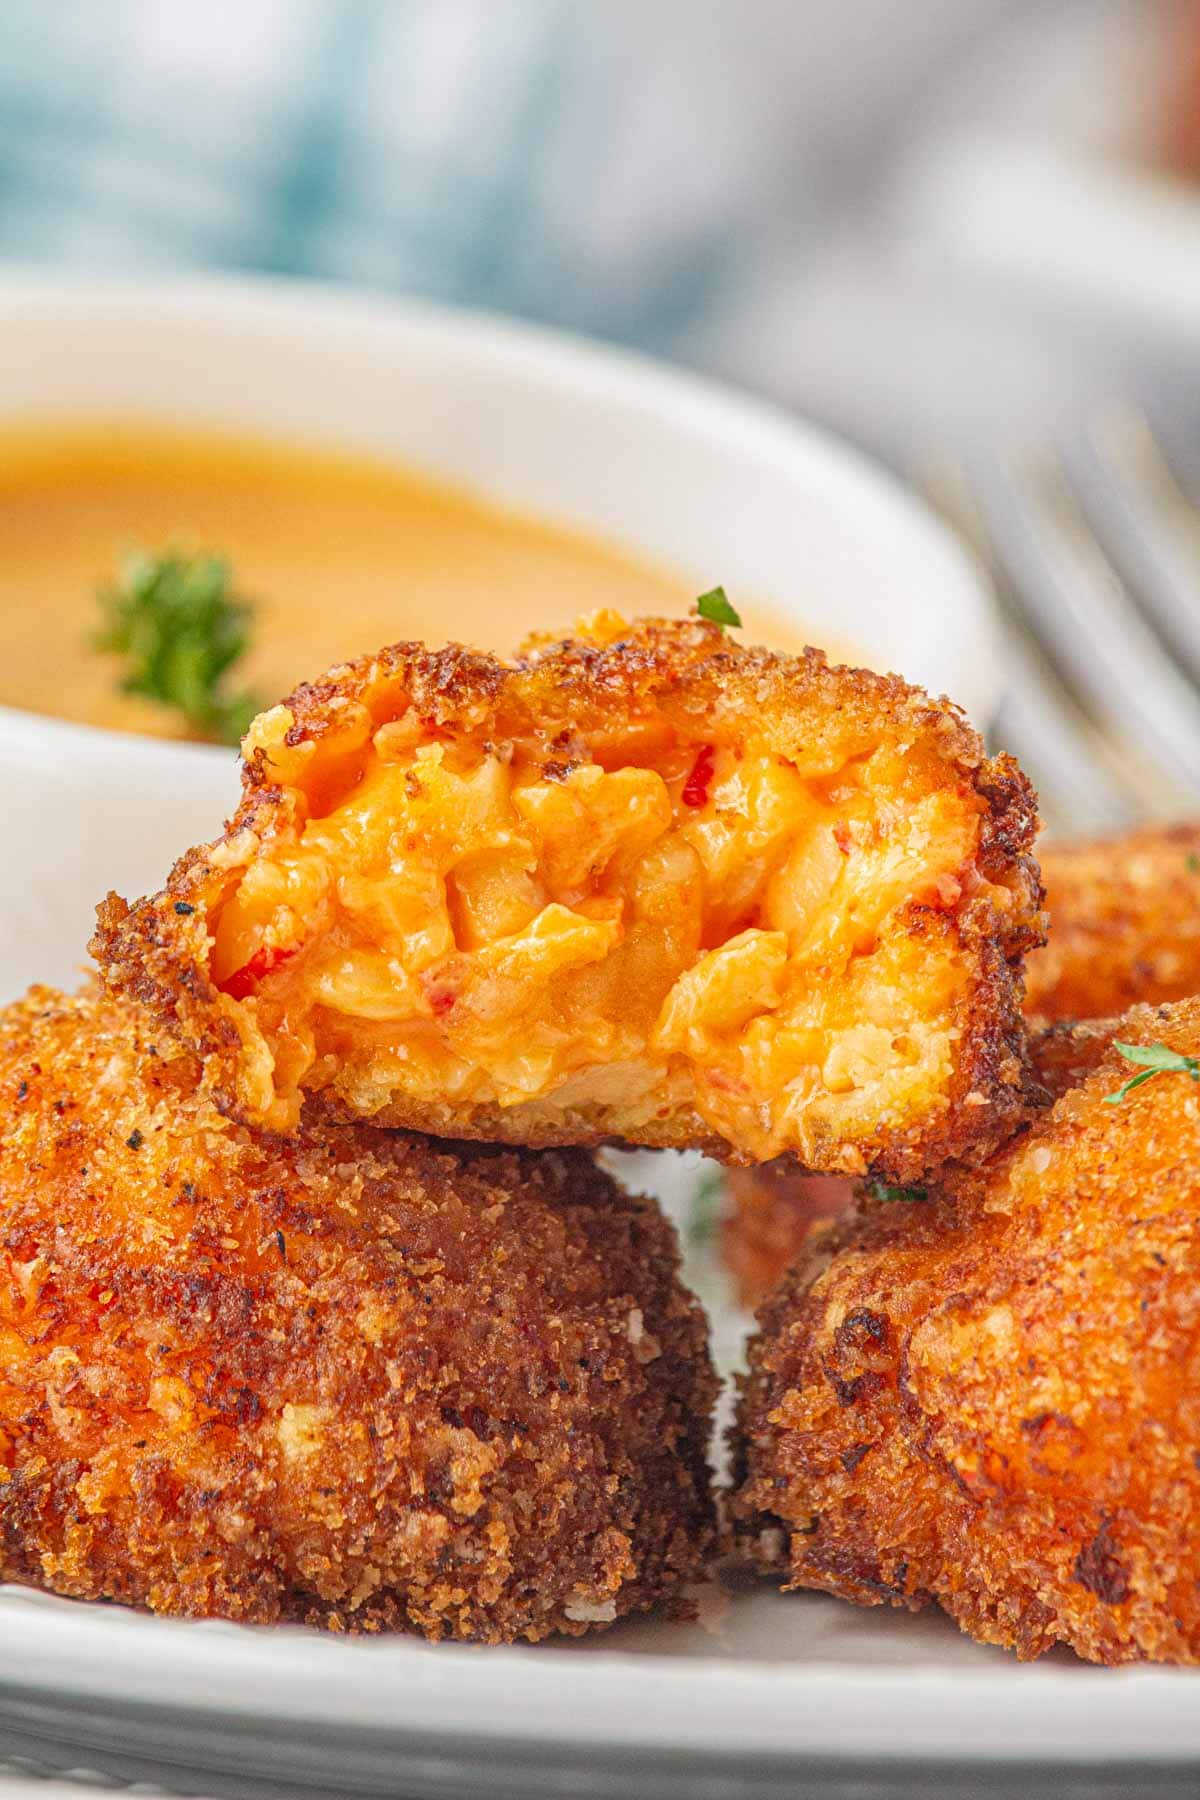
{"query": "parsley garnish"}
pixel 1154 1059
pixel 705 1214
pixel 715 606
pixel 181 625
pixel 880 1190
pixel 1193 863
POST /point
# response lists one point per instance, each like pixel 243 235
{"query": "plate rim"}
pixel 569 1695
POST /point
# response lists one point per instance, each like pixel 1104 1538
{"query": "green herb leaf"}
pixel 180 625
pixel 1152 1060
pixel 879 1190
pixel 1193 863
pixel 715 606
pixel 708 1199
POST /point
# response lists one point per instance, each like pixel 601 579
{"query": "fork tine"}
pixel 1064 759
pixel 1173 434
pixel 1135 531
pixel 1080 792
pixel 1091 631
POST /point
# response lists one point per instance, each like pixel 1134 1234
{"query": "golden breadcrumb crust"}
pixel 991 1399
pixel 354 1380
pixel 646 885
pixel 1124 924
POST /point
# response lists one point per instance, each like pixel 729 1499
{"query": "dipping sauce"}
pixel 340 554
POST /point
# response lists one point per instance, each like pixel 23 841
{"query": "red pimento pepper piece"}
pixel 695 788
pixel 243 981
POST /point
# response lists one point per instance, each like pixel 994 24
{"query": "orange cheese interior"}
pixel 643 921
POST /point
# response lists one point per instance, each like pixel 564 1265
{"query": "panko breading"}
pixel 990 1399
pixel 354 1379
pixel 1124 926
pixel 644 886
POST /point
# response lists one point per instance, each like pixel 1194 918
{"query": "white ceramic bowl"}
pixel 705 481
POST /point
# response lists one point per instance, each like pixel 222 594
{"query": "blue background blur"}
pixel 631 170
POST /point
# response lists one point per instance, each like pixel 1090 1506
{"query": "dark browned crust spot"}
pixel 1100 1570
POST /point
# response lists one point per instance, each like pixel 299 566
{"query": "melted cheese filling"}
pixel 653 924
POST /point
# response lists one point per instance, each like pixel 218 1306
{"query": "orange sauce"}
pixel 340 554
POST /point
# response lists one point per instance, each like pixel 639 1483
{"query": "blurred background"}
pixel 838 205
pixel 954 229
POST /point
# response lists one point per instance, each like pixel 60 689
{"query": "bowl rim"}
pixel 691 402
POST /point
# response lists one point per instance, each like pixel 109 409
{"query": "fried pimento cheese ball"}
pixel 641 886
pixel 1124 924
pixel 354 1379
pixel 1124 927
pixel 990 1399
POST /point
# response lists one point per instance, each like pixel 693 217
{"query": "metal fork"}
pixel 1095 553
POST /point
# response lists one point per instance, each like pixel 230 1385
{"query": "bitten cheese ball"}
pixel 643 886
